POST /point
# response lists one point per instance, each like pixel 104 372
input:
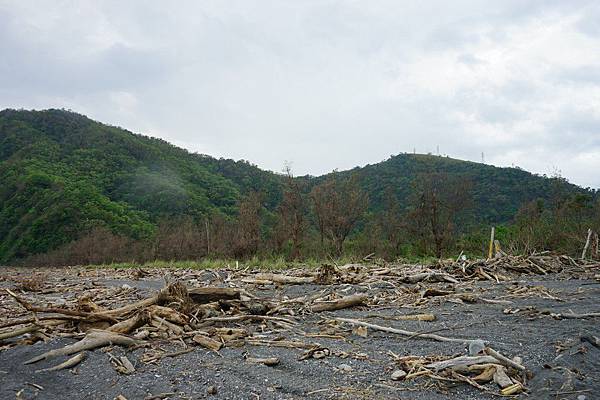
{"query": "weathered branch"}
pixel 338 304
pixel 407 333
pixel 94 339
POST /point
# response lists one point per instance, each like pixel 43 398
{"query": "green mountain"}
pixel 497 193
pixel 62 174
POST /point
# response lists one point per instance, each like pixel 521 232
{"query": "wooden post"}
pixel 587 244
pixel 491 249
pixel 497 249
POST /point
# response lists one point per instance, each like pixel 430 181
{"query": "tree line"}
pixel 332 219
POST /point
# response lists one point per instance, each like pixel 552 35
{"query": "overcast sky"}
pixel 322 84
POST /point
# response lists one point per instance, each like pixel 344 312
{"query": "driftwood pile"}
pixel 504 266
pixel 212 317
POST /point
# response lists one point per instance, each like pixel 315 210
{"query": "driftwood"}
pixel 416 317
pixel 130 324
pixel 94 339
pixel 214 317
pixel 243 317
pixel 159 322
pixel 501 378
pixel 292 344
pixel 90 317
pixel 19 332
pixel 129 308
pixel 487 374
pixel 283 279
pixel 168 314
pixel 70 363
pixel 207 342
pixel 122 364
pixel 462 361
pixel 270 361
pixel 572 315
pixel 402 332
pixel 517 387
pixel 503 359
pixel 50 319
pixel 174 292
pixel 203 295
pixel 427 276
pixel 338 304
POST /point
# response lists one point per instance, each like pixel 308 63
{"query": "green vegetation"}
pixel 63 174
pixel 77 191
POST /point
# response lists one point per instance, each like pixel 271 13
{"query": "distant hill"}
pixel 497 192
pixel 63 173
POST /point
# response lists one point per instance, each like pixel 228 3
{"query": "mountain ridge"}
pixel 65 173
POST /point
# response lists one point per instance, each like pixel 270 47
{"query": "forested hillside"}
pixel 63 174
pixel 65 177
pixel 497 193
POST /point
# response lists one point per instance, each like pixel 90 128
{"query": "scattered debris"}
pixel 248 308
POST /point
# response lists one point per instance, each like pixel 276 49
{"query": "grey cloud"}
pixel 584 75
pixel 324 84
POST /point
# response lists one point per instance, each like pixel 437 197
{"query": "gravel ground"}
pixel 358 368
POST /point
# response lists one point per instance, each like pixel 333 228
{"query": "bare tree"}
pixel 292 212
pixel 441 199
pixel 338 205
pixel 391 220
pixel 248 232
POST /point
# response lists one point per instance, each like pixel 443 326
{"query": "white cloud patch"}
pixel 325 84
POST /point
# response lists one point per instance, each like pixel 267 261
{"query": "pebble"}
pixel 476 346
pixel 398 374
pixel 211 390
pixel 345 367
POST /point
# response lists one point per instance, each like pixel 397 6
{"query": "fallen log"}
pixel 19 332
pixel 285 279
pixel 338 304
pixel 48 318
pixel 130 324
pixel 427 276
pixel 173 292
pixel 121 311
pixel 93 339
pixel 236 318
pixel 203 295
pixel 207 342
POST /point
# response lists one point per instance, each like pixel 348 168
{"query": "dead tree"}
pixel 292 213
pixel 248 225
pixel 440 200
pixel 338 203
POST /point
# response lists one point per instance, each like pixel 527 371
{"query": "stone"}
pixel 398 375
